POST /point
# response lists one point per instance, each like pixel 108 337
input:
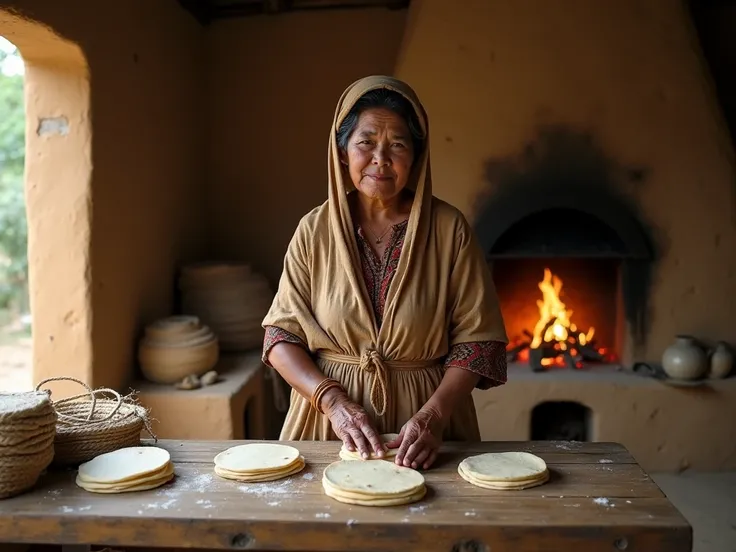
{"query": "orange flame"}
pixel 554 324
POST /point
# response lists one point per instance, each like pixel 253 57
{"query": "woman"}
pixel 386 317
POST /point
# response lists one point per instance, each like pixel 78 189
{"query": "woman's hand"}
pixel 351 424
pixel 420 439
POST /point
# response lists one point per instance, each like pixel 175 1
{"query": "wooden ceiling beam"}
pixel 237 9
pixel 205 11
pixel 336 4
pixel 275 6
pixel 200 10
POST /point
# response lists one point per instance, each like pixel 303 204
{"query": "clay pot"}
pixel 175 347
pixel 230 298
pixel 684 359
pixel 721 361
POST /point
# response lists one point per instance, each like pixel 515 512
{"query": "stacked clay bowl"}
pixel 27 430
pixel 231 299
pixel 175 347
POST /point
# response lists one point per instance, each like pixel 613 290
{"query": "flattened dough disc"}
pixel 332 491
pixel 256 457
pixel 160 477
pixel 124 464
pixel 504 466
pixel 377 501
pixel 345 454
pixel 264 476
pixel 504 485
pixel 141 487
pixel 373 478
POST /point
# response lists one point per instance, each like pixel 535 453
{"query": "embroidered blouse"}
pixel 486 358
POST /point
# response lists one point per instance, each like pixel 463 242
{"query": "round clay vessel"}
pixel 684 359
pixel 721 361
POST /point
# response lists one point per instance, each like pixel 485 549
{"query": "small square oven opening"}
pixel 561 421
pixel 560 312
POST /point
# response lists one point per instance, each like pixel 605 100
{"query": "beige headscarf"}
pixel 341 222
pixel 442 292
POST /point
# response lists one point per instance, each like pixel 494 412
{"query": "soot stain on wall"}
pixel 564 169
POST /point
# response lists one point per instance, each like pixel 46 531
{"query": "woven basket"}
pixel 27 426
pixel 89 425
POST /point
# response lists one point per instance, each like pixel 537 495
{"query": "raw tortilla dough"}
pixel 271 475
pixel 148 482
pixel 122 465
pixel 504 485
pixel 257 458
pixel 329 487
pixel 372 483
pixel 504 466
pixel 345 454
pixel 134 488
pixel 395 501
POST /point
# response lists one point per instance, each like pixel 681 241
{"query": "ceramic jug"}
pixel 684 359
pixel 721 361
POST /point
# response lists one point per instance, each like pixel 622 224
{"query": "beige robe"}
pixel 442 293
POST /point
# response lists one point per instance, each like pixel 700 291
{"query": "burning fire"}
pixel 560 340
pixel 554 319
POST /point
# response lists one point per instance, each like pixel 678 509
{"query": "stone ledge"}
pixel 233 408
pixel 667 428
pixel 607 373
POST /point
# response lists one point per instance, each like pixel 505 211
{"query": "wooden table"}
pixel 598 499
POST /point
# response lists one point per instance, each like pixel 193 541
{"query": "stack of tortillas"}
pixel 504 470
pixel 390 454
pixel 372 483
pixel 126 470
pixel 258 462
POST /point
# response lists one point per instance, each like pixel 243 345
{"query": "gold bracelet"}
pixel 322 387
pixel 316 394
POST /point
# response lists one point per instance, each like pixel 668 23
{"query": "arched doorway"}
pixel 57 186
pixel 16 353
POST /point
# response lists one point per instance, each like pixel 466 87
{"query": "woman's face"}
pixel 379 154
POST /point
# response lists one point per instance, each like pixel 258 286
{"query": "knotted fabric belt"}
pixel 372 362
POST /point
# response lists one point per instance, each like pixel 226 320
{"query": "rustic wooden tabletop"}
pixel 598 498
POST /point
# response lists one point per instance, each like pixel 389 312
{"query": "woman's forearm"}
pixel 349 421
pixel 295 365
pixel 456 386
